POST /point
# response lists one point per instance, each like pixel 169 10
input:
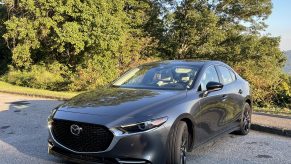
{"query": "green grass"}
pixel 9 88
pixel 274 110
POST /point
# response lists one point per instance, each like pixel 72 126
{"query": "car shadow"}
pixel 24 133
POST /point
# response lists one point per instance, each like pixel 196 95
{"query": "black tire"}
pixel 246 120
pixel 178 144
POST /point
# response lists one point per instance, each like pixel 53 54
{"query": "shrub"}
pixel 52 77
pixel 95 72
pixel 263 81
pixel 282 97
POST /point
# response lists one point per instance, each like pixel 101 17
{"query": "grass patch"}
pixel 274 110
pixel 9 88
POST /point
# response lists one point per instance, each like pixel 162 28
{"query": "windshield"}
pixel 170 77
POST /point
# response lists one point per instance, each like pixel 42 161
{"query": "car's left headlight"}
pixel 50 118
pixel 142 126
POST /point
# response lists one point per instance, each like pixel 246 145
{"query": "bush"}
pixel 93 73
pixel 263 81
pixel 282 98
pixel 96 72
pixel 51 77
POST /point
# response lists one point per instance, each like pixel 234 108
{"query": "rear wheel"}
pixel 245 124
pixel 178 144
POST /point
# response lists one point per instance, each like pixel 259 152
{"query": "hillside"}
pixel 287 68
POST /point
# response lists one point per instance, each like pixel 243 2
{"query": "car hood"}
pixel 120 102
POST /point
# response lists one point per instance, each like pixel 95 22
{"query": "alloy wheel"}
pixel 183 148
pixel 246 120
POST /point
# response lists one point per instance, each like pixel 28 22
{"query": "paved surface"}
pixel 23 139
pixel 282 123
pixel 7 99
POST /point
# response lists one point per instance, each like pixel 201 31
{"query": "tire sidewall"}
pixel 175 141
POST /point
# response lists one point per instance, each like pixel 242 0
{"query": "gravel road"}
pixel 23 138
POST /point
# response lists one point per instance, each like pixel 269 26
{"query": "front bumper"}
pixel 145 147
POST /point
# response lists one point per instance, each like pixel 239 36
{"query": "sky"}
pixel 280 22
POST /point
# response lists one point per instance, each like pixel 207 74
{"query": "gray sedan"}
pixel 154 113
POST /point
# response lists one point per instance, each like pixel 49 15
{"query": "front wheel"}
pixel 178 144
pixel 246 119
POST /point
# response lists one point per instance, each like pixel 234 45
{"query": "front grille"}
pixel 92 138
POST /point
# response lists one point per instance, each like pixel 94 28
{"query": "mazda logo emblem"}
pixel 76 130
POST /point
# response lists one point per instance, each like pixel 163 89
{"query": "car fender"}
pixel 188 118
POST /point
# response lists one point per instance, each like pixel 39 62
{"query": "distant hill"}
pixel 287 67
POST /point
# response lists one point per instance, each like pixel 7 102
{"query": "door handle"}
pixel 240 91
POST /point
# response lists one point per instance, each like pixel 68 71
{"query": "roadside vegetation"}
pixel 9 88
pixel 78 45
pixel 283 111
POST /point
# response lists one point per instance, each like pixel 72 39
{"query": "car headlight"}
pixel 142 126
pixel 50 118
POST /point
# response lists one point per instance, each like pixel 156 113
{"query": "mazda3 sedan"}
pixel 154 113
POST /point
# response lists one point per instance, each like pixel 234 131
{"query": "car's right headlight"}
pixel 142 126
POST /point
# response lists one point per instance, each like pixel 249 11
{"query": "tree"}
pixel 5 54
pixel 193 31
pixel 227 30
pixel 87 43
pixel 75 33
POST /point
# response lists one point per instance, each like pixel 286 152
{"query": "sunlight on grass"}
pixel 274 110
pixel 8 88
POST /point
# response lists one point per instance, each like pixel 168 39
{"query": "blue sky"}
pixel 280 22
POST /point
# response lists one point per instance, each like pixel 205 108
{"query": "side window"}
pixel 209 75
pixel 225 75
pixel 232 75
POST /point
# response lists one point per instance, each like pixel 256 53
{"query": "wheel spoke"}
pixel 183 148
pixel 183 157
pixel 246 120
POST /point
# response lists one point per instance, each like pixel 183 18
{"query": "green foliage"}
pixel 84 44
pixel 84 36
pixel 261 66
pixel 282 95
pixel 50 77
pixel 228 31
pixel 193 31
pixel 262 85
pixel 5 53
pixel 96 72
pixel 64 29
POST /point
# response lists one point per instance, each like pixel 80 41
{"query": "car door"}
pixel 232 98
pixel 212 109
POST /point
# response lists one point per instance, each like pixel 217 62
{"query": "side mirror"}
pixel 213 86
